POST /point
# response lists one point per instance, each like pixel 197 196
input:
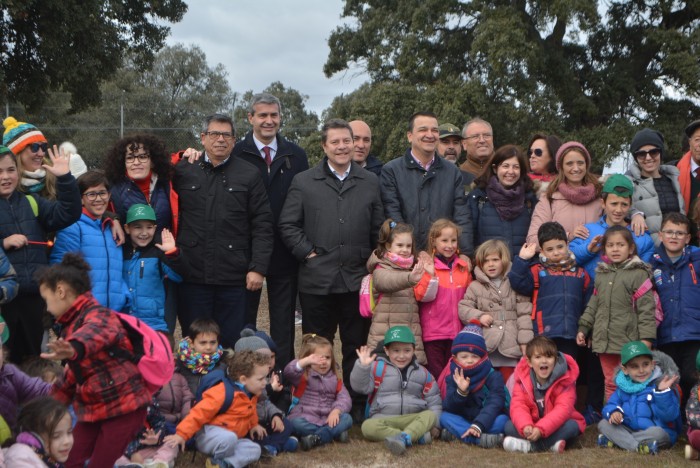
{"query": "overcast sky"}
pixel 263 41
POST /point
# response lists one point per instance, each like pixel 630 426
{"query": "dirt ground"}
pixel 360 453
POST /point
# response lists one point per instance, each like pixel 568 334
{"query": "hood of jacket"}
pixel 632 263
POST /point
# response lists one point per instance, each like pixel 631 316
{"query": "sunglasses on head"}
pixel 537 151
pixel 35 147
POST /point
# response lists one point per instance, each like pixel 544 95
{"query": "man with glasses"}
pixel 225 231
pixel 278 160
pixel 689 167
pixel 477 142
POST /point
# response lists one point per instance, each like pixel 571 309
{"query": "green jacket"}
pixel 610 313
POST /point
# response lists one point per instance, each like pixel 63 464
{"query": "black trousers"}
pixel 324 313
pixel 281 294
pixel 683 354
pixel 24 318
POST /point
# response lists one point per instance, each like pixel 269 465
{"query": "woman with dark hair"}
pixel 541 151
pixel 139 171
pixel 502 201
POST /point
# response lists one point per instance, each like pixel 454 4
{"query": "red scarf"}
pixel 145 186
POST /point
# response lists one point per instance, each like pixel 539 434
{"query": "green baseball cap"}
pixel 5 331
pixel 140 212
pixel 619 185
pixel 399 334
pixel 633 349
pixel 447 130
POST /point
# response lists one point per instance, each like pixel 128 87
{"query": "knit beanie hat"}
pixel 270 344
pixel 19 135
pixel 645 137
pixel 251 342
pixel 569 145
pixel 470 339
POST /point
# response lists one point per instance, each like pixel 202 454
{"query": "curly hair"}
pixel 243 363
pixel 114 163
pixel 73 270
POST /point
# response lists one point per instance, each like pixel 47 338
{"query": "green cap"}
pixel 619 185
pixel 5 331
pixel 399 334
pixel 447 129
pixel 5 150
pixel 140 212
pixel 633 349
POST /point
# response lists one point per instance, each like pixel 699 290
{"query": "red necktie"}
pixel 696 173
pixel 268 157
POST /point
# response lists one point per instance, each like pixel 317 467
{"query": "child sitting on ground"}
pixel 200 352
pixel 278 390
pixel 404 402
pixel 643 413
pixel 222 436
pixel 148 443
pixel 474 393
pixel 542 410
pixel 692 413
pixel 319 413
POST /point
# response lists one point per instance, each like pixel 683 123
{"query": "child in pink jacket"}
pixel 439 291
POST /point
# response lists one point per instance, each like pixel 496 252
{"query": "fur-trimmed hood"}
pixel 632 263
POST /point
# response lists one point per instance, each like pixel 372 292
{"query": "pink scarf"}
pixel 582 195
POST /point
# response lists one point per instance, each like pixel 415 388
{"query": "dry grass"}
pixel 360 453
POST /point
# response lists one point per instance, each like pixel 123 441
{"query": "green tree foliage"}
pixel 596 71
pixel 52 45
pixel 297 122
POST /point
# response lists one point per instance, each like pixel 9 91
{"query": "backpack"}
pixel 378 371
pixel 211 379
pixel 368 297
pixel 298 391
pixel 643 289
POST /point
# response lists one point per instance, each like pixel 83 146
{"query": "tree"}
pixel 596 72
pixel 297 121
pixel 73 46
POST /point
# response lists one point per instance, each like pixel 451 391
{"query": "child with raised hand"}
pixel 223 436
pixel 474 394
pixel 200 352
pixel 643 415
pixel 46 438
pixel 610 316
pixel 108 393
pixel 503 313
pixel 439 291
pixel 320 413
pixel 559 288
pixel 404 402
pixel 25 221
pixel 149 444
pixel 147 264
pixel 542 410
pixel 394 274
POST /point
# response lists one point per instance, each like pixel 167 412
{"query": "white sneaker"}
pixel 558 446
pixel 513 444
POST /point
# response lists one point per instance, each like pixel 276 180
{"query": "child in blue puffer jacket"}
pixel 643 415
pixel 147 264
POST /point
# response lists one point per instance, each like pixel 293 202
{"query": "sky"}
pixel 263 41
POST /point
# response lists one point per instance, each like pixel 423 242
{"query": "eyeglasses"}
pixel 674 234
pixel 92 196
pixel 479 136
pixel 35 147
pixel 641 154
pixel 216 135
pixel 130 159
pixel 537 152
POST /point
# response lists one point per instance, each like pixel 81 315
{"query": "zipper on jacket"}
pixel 141 269
pixel 109 279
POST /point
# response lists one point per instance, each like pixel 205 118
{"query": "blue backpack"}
pixel 213 378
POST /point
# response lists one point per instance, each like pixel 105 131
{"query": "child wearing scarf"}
pixel 473 392
pixel 200 352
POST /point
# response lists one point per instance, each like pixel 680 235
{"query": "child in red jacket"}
pixel 542 405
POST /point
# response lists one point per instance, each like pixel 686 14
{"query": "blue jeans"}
pixel 457 425
pixel 302 428
pixel 226 305
pixel 567 431
pixel 276 439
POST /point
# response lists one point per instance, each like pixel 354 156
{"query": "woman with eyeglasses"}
pixel 540 155
pixel 656 188
pixel 139 171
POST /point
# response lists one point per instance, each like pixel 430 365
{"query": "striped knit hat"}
pixel 19 135
pixel 470 339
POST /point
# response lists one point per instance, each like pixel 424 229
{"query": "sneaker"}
pixel 344 437
pixel 604 442
pixel 396 443
pixel 268 451
pixel 648 448
pixel 691 453
pixel 291 444
pixel 297 318
pixel 558 446
pixel 425 439
pixel 514 444
pixel 310 441
pixel 216 463
pixel 447 436
pixel 591 416
pixel 491 440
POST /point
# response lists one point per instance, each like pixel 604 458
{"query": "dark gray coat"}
pixel 340 224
